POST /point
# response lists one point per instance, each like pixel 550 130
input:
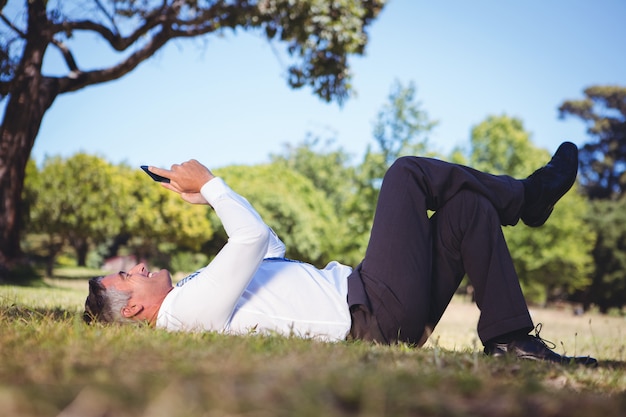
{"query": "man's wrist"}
pixel 213 189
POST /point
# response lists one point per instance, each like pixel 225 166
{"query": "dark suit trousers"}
pixel 414 263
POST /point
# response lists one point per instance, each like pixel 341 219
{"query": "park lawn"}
pixel 52 364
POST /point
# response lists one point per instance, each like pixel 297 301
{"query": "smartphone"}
pixel 154 176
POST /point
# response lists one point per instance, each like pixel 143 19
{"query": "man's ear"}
pixel 131 311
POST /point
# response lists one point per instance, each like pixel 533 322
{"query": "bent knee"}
pixel 401 164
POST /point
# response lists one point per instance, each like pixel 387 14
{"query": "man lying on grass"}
pixel 412 266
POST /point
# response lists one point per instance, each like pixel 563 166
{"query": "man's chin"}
pixel 162 275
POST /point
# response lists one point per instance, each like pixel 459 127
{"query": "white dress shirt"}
pixel 250 286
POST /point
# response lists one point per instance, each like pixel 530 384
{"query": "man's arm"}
pixel 187 179
pixel 208 300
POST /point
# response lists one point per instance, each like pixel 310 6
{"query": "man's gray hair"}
pixel 105 305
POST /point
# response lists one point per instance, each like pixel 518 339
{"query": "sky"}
pixel 225 100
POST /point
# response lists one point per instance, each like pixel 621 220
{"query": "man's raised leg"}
pixel 395 278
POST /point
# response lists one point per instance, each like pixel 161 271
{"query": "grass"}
pixel 51 364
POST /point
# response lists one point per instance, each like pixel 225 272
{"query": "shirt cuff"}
pixel 214 190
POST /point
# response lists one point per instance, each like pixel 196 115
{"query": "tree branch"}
pixel 107 14
pixel 67 56
pixel 162 16
pixel 171 27
pixel 13 27
pixel 68 84
pixel 116 41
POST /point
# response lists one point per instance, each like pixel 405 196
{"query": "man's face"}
pixel 145 287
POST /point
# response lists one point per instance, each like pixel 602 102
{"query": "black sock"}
pixel 509 337
pixel 531 190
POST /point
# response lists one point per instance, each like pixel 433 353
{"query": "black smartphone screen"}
pixel 154 176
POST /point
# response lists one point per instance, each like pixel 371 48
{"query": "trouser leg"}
pixel 468 239
pixel 395 278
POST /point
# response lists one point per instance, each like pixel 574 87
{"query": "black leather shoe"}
pixel 553 181
pixel 535 348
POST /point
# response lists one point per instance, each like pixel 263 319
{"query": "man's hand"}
pixel 186 179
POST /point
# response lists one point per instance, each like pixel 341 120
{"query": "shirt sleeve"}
pixel 208 300
pixel 276 247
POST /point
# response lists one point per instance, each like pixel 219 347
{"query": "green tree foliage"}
pixel 329 169
pixel 606 218
pixel 402 125
pixel 73 202
pixel 292 206
pixel 401 128
pixel 608 287
pixel 603 159
pixel 348 188
pixel 157 223
pixel 361 205
pixel 325 165
pixel 501 145
pixel 319 36
pixel 603 176
pixel 84 201
pixel 554 260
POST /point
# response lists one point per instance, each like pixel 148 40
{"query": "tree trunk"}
pixel 50 265
pixel 81 246
pixel 31 95
pixel 54 247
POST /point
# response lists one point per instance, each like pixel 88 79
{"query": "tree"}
pixel 324 164
pixel 329 169
pixel 603 176
pixel 501 145
pixel 555 261
pixel 608 286
pixel 603 159
pixel 319 34
pixel 84 201
pixel 402 126
pixel 155 221
pixel 74 203
pixel 291 205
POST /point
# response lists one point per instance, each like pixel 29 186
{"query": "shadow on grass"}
pixel 611 364
pixel 31 274
pixel 22 275
pixel 16 312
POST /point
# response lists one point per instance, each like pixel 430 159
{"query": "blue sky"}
pixel 225 100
